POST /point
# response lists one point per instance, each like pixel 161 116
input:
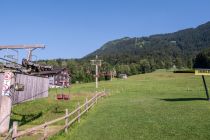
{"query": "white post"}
pixel 6 102
pixel 15 125
pixel 97 63
pixel 96 75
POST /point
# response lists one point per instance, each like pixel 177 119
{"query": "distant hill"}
pixel 161 50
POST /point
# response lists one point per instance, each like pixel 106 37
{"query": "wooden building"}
pixel 58 77
pixel 123 76
pixel 34 87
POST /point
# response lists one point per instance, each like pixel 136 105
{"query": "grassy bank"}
pixel 39 111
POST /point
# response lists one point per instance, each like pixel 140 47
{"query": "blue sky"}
pixel 74 28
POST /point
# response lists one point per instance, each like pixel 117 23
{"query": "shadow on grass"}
pixel 183 99
pixel 26 118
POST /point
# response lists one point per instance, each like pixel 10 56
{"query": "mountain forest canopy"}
pixel 141 54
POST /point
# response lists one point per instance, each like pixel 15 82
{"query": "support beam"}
pixel 22 46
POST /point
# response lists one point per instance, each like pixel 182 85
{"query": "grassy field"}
pixel 159 105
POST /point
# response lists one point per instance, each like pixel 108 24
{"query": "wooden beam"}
pixel 22 46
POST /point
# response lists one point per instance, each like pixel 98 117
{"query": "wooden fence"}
pixel 77 113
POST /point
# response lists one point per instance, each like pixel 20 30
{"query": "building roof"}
pixel 52 72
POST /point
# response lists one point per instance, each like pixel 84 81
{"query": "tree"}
pixel 63 64
pixel 202 60
pixel 123 69
pixel 144 66
pixel 178 63
pixel 52 63
pixel 134 69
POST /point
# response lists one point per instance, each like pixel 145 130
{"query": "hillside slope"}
pixel 162 50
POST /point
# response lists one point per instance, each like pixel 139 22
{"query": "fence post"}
pixel 86 103
pixel 78 112
pixel 96 98
pixel 66 121
pixel 45 131
pixel 14 133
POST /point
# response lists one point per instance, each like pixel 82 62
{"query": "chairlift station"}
pixel 20 82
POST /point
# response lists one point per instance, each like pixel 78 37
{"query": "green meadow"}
pixel 158 105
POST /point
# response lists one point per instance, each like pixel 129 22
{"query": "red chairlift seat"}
pixel 63 97
pixel 59 96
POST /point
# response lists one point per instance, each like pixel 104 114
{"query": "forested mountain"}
pixel 141 54
pixel 161 51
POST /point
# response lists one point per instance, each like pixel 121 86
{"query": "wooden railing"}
pixel 77 113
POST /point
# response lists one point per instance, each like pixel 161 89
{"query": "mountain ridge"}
pixel 168 48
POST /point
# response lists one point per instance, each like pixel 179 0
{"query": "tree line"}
pixel 83 71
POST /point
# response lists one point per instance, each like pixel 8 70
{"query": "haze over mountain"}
pixel 161 50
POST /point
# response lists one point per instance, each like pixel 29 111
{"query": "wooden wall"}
pixel 34 87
